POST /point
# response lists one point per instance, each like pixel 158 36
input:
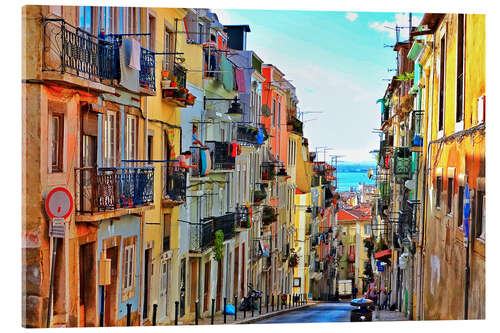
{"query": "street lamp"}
pixel 233 111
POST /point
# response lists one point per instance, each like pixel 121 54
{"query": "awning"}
pixel 383 254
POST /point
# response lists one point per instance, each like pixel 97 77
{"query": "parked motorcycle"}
pixel 363 311
pixel 250 300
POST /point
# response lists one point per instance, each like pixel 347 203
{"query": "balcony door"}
pixel 88 158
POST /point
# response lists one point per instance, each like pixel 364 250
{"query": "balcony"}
pixel 147 79
pixel 212 64
pixel 269 215
pixel 243 218
pixel 75 57
pixel 247 135
pixel 226 223
pixel 294 125
pixel 174 185
pixel 196 160
pixel 221 155
pixel 109 189
pixel 402 161
pixel 201 235
pixel 174 89
pixel 315 181
pixel 268 171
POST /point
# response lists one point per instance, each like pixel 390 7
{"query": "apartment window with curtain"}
pixel 152 31
pixel 57 141
pixel 442 70
pixel 460 68
pixel 85 18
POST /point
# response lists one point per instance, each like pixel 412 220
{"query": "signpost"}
pixel 58 205
pixel 466 228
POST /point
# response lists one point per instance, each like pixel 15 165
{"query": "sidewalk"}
pixel 385 315
pixel 245 318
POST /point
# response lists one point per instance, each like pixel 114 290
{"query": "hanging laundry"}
pixel 240 80
pixel 129 78
pixel 135 55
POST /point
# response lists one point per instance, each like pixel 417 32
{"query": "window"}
pixel 166 232
pixel 442 67
pixel 481 215
pixel 128 273
pixel 439 186
pixel 131 138
pixel 449 204
pixel 460 68
pixel 274 114
pixel 57 141
pixel 368 229
pixel 85 19
pixel 460 207
pixel 279 114
pixel 152 31
pixel 150 147
pixel 109 146
pixel 169 48
pixel 200 33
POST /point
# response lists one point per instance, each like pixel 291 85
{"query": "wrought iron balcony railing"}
pixel 247 134
pixel 269 215
pixel 243 217
pixel 107 189
pixel 268 171
pixel 68 49
pixel 221 155
pixel 226 223
pixel 295 125
pixel 402 161
pixel 201 235
pixel 174 182
pixel 147 72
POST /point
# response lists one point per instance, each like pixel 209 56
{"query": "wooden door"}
pixel 206 286
pixel 193 277
pixel 87 268
pixel 147 283
pixel 236 267
pixel 242 284
pixel 110 302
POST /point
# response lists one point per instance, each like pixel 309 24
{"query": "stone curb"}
pixel 273 314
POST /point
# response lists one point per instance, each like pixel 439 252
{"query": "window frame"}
pixel 441 121
pixel 439 189
pixel 449 197
pixel 460 107
pixel 109 144
pixel 59 165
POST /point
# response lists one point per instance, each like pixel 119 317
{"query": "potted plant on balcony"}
pixel 181 94
pixel 190 99
pixel 259 195
pixel 268 215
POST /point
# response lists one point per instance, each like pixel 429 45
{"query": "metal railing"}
pixel 247 134
pixel 69 49
pixel 268 171
pixel 106 189
pixel 147 72
pixel 226 223
pixel 221 155
pixel 242 217
pixel 180 74
pixel 201 235
pixel 174 182
pixel 269 215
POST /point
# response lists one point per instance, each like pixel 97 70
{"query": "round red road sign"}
pixel 59 203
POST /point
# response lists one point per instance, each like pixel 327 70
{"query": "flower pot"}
pixel 168 93
pixel 180 95
pixel 164 74
pixel 173 84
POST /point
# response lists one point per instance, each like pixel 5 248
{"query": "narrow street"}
pixel 319 313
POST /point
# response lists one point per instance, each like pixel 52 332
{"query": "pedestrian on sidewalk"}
pixel 383 299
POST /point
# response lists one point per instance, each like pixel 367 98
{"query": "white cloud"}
pixel 351 16
pixel 401 20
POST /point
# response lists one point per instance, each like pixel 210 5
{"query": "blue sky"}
pixel 337 62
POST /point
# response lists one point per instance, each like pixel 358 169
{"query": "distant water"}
pixel 346 180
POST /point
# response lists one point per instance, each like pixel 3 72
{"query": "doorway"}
pixel 87 270
pixel 193 283
pixel 110 302
pixel 147 284
pixel 219 285
pixel 206 286
pixel 182 285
